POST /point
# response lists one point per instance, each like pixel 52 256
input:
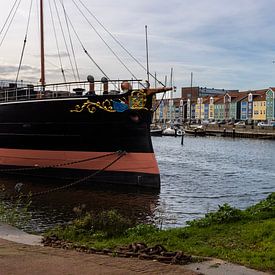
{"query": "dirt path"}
pixel 20 259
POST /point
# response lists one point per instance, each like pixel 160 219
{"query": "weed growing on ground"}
pixel 162 215
pixel 16 212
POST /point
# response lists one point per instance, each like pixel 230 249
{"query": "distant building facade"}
pixel 197 104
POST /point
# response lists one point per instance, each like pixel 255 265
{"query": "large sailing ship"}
pixel 77 129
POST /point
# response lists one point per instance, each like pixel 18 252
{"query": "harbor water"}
pixel 196 178
pixel 209 171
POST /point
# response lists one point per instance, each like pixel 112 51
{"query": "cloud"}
pixel 228 43
pixel 27 73
pixel 8 69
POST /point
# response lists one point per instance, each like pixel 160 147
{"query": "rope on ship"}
pixel 56 165
pixel 24 44
pixel 120 155
pixel 57 45
pixel 71 42
pixel 118 42
pixel 103 40
pixel 9 20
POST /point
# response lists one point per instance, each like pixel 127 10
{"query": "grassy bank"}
pixel 240 236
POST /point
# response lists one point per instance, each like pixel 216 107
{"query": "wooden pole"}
pixel 42 53
pixel 191 84
pixel 147 55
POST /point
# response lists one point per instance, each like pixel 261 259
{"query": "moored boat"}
pixel 196 131
pixel 70 136
pixel 97 130
pixel 172 132
pixel 180 132
pixel 156 132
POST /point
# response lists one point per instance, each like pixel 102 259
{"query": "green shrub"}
pixel 110 223
pixel 264 209
pixel 225 214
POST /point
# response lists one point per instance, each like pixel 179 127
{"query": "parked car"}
pixel 264 124
pixel 240 124
pixel 261 124
pixel 205 122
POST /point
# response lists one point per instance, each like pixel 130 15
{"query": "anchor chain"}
pixel 120 155
pixel 55 165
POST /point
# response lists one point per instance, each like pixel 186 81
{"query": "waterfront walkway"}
pixel 22 253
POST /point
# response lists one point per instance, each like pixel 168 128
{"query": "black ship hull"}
pixel 74 137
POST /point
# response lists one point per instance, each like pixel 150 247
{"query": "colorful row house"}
pixel 258 105
pixel 270 104
pixel 247 106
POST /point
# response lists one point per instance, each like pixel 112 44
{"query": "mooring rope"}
pixel 56 165
pixel 120 155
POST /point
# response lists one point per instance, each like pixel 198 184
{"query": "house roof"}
pixel 237 96
pixel 256 92
pixel 206 99
pixel 258 95
pixel 219 99
pixel 261 97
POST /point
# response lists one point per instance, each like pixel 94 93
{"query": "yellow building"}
pixel 199 109
pixel 259 107
pixel 211 108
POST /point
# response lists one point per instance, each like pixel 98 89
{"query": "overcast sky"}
pixel 227 44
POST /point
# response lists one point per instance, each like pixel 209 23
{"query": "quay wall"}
pixel 247 131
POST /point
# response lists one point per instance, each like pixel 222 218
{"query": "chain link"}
pixel 55 165
pixel 120 155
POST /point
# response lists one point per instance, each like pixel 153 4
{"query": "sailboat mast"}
pixel 42 54
pixel 147 55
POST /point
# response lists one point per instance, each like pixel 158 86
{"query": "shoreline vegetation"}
pixel 17 212
pixel 245 237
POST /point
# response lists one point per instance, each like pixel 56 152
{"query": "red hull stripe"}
pixel 131 162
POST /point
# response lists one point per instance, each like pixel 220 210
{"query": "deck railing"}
pixel 10 92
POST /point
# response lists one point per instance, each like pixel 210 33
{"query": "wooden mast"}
pixel 42 54
pixel 147 55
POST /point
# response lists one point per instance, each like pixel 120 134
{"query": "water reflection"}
pixel 195 178
pixel 57 207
